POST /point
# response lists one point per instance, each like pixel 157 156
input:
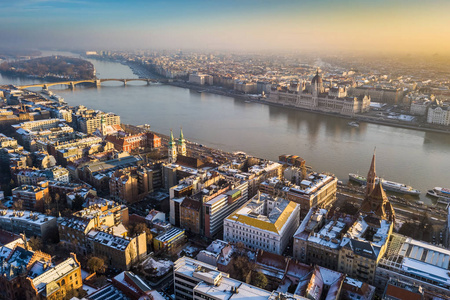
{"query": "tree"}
pixel 96 264
pixel 240 267
pixel 78 202
pixel 18 204
pixel 79 293
pixel 35 243
pixel 142 227
pixel 259 279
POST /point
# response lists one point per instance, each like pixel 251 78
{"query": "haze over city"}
pixel 326 26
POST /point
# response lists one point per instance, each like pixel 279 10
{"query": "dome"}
pixel 316 79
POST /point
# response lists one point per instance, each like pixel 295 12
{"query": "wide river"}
pixel 327 143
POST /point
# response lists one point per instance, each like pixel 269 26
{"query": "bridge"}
pixel 96 82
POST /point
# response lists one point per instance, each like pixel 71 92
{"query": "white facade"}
pixel 438 115
pixel 265 223
pixel 201 79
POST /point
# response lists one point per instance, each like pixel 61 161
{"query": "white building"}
pixel 419 107
pixel 201 79
pixel 415 262
pixel 438 115
pixel 265 223
pixel 197 280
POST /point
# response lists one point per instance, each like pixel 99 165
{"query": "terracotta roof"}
pixel 401 294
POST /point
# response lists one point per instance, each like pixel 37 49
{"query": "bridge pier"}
pixel 98 83
pixel 45 87
pixel 71 86
pixel 148 81
pixel 124 82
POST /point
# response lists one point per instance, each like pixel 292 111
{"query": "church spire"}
pixel 171 140
pixel 181 140
pixel 371 176
pixel 172 149
pixel 182 143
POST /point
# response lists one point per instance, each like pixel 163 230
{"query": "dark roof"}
pixel 191 204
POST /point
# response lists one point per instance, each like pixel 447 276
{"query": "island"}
pixel 51 68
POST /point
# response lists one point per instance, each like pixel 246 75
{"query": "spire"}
pixel 182 143
pixel 172 149
pixel 317 71
pixel 181 140
pixel 371 176
pixel 171 140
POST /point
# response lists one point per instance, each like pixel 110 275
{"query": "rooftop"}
pixel 265 212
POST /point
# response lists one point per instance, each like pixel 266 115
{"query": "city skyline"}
pixel 326 27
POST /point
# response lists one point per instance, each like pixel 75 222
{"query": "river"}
pixel 327 143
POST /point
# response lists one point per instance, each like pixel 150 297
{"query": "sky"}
pixel 329 26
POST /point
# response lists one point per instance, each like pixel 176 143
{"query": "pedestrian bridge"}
pixel 97 82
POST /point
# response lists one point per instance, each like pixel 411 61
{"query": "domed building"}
pixel 317 84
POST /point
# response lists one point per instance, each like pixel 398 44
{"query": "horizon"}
pixel 325 27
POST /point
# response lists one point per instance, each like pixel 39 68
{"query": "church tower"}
pixel 172 149
pixel 371 177
pixel 103 126
pixel 376 203
pixel 182 144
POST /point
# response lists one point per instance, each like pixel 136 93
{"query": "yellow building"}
pixel 169 239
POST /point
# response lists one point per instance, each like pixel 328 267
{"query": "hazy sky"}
pixel 328 25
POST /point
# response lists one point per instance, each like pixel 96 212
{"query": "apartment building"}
pixel 32 197
pixel 29 222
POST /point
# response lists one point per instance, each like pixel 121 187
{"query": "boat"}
pixel 387 185
pixel 47 92
pixel 353 124
pixel 441 193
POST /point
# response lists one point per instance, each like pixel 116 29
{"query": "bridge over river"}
pixel 97 82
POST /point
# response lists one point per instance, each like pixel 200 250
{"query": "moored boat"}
pixel 387 185
pixel 438 192
pixel 353 124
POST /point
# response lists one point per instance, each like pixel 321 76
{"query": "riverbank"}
pixel 143 72
pixel 359 118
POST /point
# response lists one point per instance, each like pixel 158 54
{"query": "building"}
pixel 310 224
pixel 191 215
pixel 169 239
pixel 29 222
pixel 201 79
pixel 221 206
pixel 172 149
pixel 389 95
pixel 91 120
pixel 126 286
pixel 438 114
pixel 123 187
pixel 99 214
pixel 315 190
pixel 196 280
pixel 33 176
pixel 55 282
pixel 419 107
pixel 127 142
pixel 396 289
pixel 182 144
pixel 265 222
pixel 32 197
pixel 415 263
pixel 363 246
pixel 27 274
pixel 121 251
pixel 318 100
